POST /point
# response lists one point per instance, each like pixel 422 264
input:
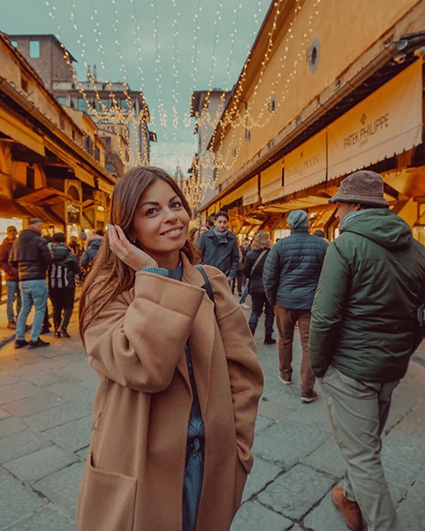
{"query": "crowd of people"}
pixel 40 267
pixel 180 381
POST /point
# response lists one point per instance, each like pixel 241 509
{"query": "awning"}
pixel 9 208
pixel 271 182
pixel 250 191
pixel 83 175
pixel 306 165
pixel 105 187
pixel 386 123
pixel 45 214
pixel 12 127
pixel 45 196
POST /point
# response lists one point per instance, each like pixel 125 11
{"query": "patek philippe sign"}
pixel 386 123
pixel 306 165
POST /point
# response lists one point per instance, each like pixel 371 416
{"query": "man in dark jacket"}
pixel 62 284
pixel 290 277
pixel 364 329
pixel 219 247
pixel 12 286
pixel 31 256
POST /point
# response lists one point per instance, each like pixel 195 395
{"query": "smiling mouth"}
pixel 173 232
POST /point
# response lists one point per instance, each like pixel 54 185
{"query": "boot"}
pixel 349 509
pixel 268 340
pixel 252 328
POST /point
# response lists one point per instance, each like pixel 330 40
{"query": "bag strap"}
pixel 259 257
pixel 207 284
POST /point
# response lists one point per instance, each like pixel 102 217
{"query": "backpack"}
pixel 58 276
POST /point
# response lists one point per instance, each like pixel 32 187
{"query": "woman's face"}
pixel 161 223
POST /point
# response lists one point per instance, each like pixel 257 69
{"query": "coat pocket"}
pixel 106 501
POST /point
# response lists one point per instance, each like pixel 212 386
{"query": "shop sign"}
pixel 305 166
pixel 386 123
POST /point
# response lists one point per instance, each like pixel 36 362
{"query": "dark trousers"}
pixel 260 302
pixel 62 301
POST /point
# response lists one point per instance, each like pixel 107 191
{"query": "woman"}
pixel 179 377
pixel 253 269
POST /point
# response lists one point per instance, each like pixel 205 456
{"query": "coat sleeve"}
pixel 235 260
pixel 246 377
pixel 249 262
pixel 271 275
pixel 138 343
pixel 328 309
pixel 85 259
pixel 4 260
pixel 45 253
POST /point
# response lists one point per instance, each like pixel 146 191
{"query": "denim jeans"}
pixel 33 293
pixel 12 290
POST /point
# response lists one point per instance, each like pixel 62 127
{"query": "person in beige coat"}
pixel 176 405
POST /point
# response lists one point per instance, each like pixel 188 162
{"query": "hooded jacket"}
pixel 92 250
pixel 30 255
pixel 5 249
pixel 364 313
pixel 64 268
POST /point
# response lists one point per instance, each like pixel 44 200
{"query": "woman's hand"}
pixel 126 251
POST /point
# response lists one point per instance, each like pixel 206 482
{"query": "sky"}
pixel 164 48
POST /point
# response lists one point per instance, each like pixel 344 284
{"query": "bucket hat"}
pixel 364 187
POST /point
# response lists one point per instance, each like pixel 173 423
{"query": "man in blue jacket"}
pixel 290 278
pixel 219 247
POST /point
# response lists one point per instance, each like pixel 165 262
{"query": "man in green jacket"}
pixel 364 329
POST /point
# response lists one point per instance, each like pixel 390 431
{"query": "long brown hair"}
pixel 261 241
pixel 110 276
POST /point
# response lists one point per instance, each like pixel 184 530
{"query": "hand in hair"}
pixel 126 251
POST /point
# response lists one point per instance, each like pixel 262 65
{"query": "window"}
pixel 30 177
pixel 273 103
pixel 89 145
pixel 61 123
pixel 34 49
pixel 24 83
pixel 124 104
pixel 73 134
pixel 248 135
pixel 105 103
pixel 82 104
pixel 62 100
pixel 97 154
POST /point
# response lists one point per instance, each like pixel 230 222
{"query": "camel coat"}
pixel 133 478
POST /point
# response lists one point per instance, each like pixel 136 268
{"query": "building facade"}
pixel 327 89
pixel 46 168
pixel 109 104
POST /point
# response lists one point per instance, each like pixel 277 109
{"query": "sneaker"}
pixel 11 324
pixel 64 333
pixel 38 343
pixel 349 509
pixel 307 398
pixel 286 382
pixel 19 343
pixel 244 305
pixel 58 333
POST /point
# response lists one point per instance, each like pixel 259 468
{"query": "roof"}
pixel 44 36
pixel 195 103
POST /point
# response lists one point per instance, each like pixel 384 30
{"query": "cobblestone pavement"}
pixel 45 425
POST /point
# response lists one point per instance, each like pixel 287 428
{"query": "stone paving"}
pixel 45 426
